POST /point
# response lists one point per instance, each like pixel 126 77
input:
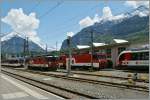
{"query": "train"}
pixel 133 59
pixel 84 61
pixel 42 62
pixel 127 59
pixel 15 62
pixel 50 62
pixel 47 62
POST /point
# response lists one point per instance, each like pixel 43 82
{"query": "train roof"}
pixel 45 56
pixel 16 58
pixel 134 51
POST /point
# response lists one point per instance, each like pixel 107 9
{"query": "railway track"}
pixel 62 92
pixel 119 85
pixel 107 76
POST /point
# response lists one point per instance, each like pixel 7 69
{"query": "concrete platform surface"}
pixel 13 89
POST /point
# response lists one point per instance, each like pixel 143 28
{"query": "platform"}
pixel 13 89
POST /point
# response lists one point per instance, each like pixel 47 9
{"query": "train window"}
pixel 52 58
pixel 102 57
pixel 135 56
pixel 140 56
pixel 145 56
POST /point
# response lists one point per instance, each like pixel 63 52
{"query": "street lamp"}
pixel 69 35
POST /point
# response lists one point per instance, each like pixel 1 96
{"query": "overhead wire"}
pixel 51 9
pixel 36 5
pixel 73 19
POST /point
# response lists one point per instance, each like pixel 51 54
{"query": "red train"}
pixel 43 62
pixel 49 62
pixel 84 60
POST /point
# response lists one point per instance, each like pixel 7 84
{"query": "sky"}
pixel 49 21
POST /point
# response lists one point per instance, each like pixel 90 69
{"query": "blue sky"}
pixel 65 18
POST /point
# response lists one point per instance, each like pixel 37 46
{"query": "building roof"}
pixel 104 46
pixel 99 44
pixel 120 40
pixel 82 46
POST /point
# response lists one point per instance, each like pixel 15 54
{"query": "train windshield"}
pixel 52 58
pixel 99 57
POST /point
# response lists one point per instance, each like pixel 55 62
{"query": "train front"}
pixel 52 62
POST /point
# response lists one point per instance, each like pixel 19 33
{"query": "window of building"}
pixel 108 52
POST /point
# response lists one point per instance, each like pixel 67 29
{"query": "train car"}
pixel 133 59
pixel 84 61
pixel 43 62
pixel 13 62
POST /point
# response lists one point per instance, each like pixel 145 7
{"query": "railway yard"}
pixel 74 49
pixel 104 84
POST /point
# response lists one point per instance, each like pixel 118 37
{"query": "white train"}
pixel 134 59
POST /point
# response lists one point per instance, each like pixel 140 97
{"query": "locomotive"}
pixel 47 62
pixel 84 61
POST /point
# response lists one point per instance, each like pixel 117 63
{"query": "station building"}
pixel 111 50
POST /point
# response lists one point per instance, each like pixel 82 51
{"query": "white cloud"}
pixel 70 34
pixel 87 21
pixel 136 4
pixel 107 15
pixel 107 12
pixel 141 14
pixel 96 18
pixel 24 24
pixel 53 48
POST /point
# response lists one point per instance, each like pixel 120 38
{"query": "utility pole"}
pixel 26 47
pixel 92 50
pixel 69 59
pixel 46 49
pixel 26 50
pixel 14 49
pixel 56 46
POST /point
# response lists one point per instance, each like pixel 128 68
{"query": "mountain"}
pixel 15 45
pixel 132 26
